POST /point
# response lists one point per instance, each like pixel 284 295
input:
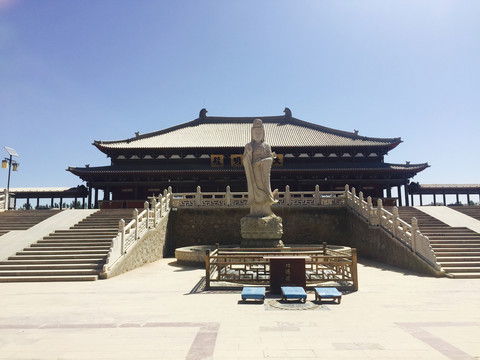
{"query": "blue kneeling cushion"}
pixel 255 293
pixel 327 293
pixel 293 292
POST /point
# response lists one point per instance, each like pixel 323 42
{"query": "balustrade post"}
pixel 287 195
pixel 160 207
pixel 198 196
pixel 395 221
pixel 324 248
pixel 121 230
pixel 370 208
pixel 228 196
pixel 316 199
pixel 135 216
pixel 360 196
pixel 154 206
pixel 379 211
pixel 146 206
pixel 414 234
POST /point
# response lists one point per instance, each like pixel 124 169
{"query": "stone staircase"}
pixel 457 248
pixel 22 219
pixel 76 254
pixel 472 211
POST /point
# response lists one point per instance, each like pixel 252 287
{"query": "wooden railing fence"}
pixel 250 266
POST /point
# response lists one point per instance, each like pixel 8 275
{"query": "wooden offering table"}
pixel 286 271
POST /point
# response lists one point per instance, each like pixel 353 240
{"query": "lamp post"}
pixel 11 164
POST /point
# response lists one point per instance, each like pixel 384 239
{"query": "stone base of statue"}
pixel 261 231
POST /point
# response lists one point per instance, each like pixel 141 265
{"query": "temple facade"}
pixel 208 152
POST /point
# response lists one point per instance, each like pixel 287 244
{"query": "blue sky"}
pixel 72 72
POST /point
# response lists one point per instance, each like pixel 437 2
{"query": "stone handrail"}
pixel 138 227
pixel 239 199
pixel 407 234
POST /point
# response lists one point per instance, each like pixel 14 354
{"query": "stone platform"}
pixel 261 232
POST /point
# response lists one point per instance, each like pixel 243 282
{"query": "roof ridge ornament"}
pixel 288 113
pixel 203 114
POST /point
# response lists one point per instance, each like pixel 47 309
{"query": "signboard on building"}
pixel 216 160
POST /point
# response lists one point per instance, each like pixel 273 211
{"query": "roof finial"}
pixel 288 112
pixel 355 131
pixel 203 113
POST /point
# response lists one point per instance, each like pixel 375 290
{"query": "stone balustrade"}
pixel 138 227
pixel 239 199
pixel 157 207
pixel 408 235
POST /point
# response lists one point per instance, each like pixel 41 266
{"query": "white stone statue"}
pixel 257 160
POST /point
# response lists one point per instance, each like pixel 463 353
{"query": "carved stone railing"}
pixel 138 227
pixel 239 199
pixel 158 207
pixel 408 235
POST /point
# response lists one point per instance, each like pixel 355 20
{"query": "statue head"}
pixel 258 131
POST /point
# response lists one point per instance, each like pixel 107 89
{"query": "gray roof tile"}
pixel 213 132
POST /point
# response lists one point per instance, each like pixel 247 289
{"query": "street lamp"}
pixel 10 163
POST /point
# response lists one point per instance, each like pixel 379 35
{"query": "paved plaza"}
pixel 158 312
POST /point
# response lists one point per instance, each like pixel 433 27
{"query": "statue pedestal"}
pixel 261 231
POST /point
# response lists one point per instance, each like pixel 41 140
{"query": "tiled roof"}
pixel 218 132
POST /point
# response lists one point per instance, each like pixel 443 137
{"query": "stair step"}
pixel 454 238
pixel 48 266
pixel 80 237
pixel 443 242
pixel 36 251
pixel 72 244
pixel 473 275
pixel 86 231
pixel 48 272
pixel 460 252
pixel 463 264
pixel 74 241
pixel 48 278
pixel 56 257
pixel 54 261
pixel 455 246
pixel 460 257
pixel 461 269
pixel 35 247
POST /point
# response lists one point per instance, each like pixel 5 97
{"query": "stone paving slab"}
pixel 152 313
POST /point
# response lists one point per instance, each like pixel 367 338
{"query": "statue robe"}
pixel 257 160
